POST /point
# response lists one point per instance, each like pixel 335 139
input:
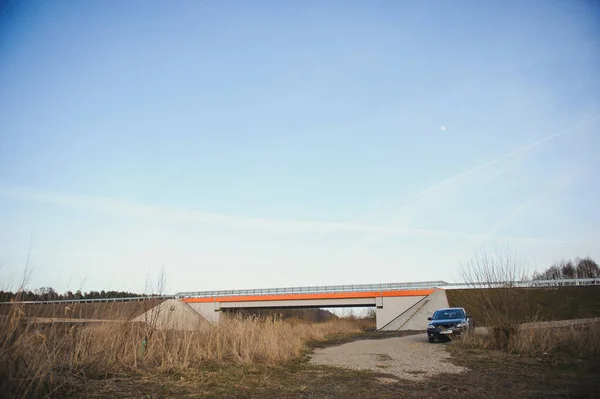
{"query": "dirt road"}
pixel 411 357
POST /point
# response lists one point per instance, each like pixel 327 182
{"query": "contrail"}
pixel 453 179
pixel 555 188
pixel 163 214
pixel 378 234
pixel 486 165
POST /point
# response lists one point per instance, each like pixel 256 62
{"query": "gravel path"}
pixel 411 357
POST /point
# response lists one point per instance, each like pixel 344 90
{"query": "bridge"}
pixel 390 300
pixel 399 306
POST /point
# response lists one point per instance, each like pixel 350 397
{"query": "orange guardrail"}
pixel 331 295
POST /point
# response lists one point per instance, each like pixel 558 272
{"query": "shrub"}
pixel 495 296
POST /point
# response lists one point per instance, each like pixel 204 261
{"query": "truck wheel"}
pixel 431 340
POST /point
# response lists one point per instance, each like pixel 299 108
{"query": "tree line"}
pixel 50 294
pixel 568 269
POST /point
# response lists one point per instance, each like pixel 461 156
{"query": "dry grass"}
pixel 578 341
pixel 40 360
pixel 574 341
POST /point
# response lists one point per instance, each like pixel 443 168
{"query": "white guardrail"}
pixel 334 289
pixel 324 289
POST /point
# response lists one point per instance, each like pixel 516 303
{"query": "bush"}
pixel 495 298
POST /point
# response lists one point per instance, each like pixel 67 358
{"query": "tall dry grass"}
pixel 37 360
pixel 576 341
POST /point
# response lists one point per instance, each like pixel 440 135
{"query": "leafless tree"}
pixel 154 288
pixel 27 273
pixel 494 295
pixel 587 268
pixel 566 269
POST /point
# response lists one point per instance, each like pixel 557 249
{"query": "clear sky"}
pixel 274 143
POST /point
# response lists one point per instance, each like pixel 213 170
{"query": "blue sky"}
pixel 292 143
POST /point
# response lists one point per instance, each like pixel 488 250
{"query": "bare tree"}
pixel 27 272
pixel 370 313
pixel 491 269
pixel 587 268
pixel 567 269
pixel 495 296
pixel 154 288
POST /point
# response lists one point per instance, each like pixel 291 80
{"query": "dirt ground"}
pixel 411 357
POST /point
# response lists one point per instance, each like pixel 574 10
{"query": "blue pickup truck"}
pixel 449 322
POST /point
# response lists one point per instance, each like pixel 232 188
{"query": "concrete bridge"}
pixel 399 306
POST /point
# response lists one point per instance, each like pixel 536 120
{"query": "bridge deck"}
pixel 323 289
pixel 322 295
